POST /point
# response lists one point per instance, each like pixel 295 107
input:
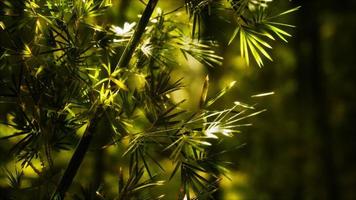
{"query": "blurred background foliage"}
pixel 304 146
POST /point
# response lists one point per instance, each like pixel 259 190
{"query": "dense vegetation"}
pixel 64 73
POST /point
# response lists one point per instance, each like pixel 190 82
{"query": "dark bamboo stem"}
pixel 77 157
pixel 85 141
pixel 135 39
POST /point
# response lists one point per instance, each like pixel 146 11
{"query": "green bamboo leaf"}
pixel 278 30
pixel 147 185
pixel 119 83
pixel 244 47
pixel 204 92
pixel 254 52
pixel 2 25
pixel 262 94
pixel 286 12
pixel 260 41
pixel 236 31
pixel 282 24
pixel 260 48
pixel 281 37
pixel 220 94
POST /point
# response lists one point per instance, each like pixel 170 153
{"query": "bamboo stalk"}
pixel 85 141
pixel 78 156
pixel 135 39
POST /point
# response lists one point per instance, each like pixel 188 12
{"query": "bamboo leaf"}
pixel 236 31
pixel 120 84
pixel 204 92
pixel 287 12
pixel 220 94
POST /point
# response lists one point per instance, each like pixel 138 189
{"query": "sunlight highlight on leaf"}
pixel 125 30
pixel 263 94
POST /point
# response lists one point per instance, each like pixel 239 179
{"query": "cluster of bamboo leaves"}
pixel 63 71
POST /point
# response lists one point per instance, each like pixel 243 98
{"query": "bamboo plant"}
pixel 67 85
